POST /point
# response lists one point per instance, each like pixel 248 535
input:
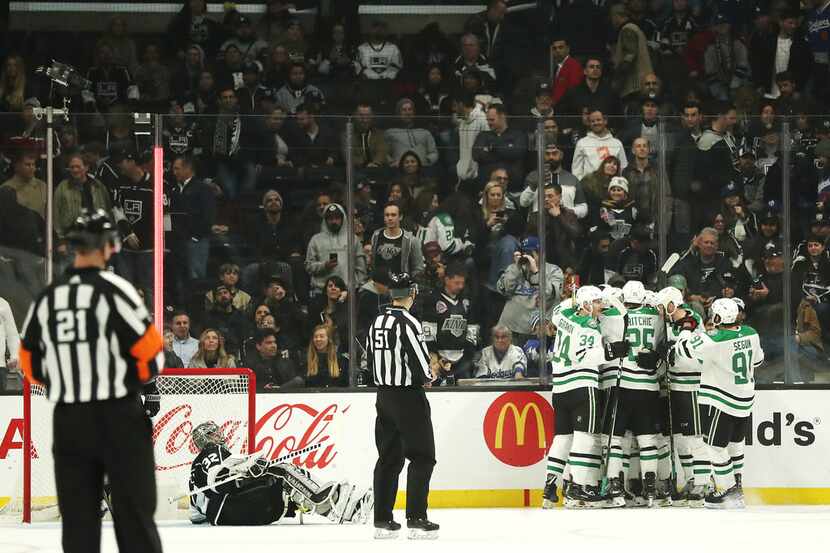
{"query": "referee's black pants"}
pixel 403 429
pixel 105 437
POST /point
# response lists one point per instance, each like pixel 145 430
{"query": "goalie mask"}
pixel 208 433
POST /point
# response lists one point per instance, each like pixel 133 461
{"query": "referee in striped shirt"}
pixel 88 338
pixel 399 360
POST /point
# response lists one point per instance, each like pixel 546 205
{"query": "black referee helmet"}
pixel 93 230
pixel 401 285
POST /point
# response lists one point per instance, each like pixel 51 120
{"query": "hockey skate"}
pixel 663 497
pixel 615 496
pixel 739 484
pixel 634 493
pixel 650 489
pixel 583 497
pixel 421 529
pixel 725 499
pixel 680 498
pixel 387 530
pixel 550 497
pixel 695 495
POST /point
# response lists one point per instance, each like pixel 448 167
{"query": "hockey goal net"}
pixel 188 398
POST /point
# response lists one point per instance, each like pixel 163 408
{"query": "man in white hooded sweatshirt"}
pixel 598 144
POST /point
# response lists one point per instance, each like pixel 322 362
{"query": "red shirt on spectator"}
pixel 568 75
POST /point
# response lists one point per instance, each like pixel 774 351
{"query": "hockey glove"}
pixel 152 399
pixel 616 350
pixel 648 360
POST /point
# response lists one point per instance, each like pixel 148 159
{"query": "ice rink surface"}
pixel 756 530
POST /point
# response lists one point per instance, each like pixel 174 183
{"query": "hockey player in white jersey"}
pixel 637 397
pixel 728 356
pixel 684 381
pixel 578 352
pixel 248 491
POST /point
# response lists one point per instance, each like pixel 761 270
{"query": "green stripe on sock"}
pixel 583 464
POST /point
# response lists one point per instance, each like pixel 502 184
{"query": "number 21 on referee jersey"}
pixel 71 325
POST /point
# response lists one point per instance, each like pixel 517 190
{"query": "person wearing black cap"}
pixel 135 193
pixel 100 425
pixel 252 93
pixel 251 48
pixel 398 359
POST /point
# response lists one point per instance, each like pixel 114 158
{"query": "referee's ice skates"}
pixel 421 529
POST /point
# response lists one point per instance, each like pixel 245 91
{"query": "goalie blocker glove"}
pixel 616 350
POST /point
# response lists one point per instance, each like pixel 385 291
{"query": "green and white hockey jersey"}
pixel 684 375
pixel 577 351
pixel 644 332
pixel 612 327
pixel 727 359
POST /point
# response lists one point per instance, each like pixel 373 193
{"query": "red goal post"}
pixel 188 398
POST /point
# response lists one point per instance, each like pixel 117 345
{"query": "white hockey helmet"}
pixel 588 295
pixel 634 292
pixel 651 299
pixel 668 295
pixel 609 292
pixel 724 311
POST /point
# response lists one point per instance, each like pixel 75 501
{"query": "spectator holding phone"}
pixel 327 251
pixel 520 285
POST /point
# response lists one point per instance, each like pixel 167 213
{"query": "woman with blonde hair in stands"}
pixel 496 207
pixel 324 365
pixel 211 353
pixel 13 85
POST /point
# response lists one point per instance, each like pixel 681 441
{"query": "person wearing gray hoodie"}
pixel 327 251
pixel 519 283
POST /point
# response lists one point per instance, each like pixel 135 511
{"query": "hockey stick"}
pixel 666 268
pixel 614 391
pixel 238 475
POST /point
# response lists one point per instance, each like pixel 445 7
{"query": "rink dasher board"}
pixel 491 446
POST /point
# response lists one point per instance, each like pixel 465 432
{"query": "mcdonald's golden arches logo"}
pixel 518 428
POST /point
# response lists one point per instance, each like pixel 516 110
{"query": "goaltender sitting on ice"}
pixel 247 490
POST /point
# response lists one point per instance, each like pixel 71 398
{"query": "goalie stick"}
pixel 238 475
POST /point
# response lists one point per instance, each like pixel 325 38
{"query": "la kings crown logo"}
pixel 455 325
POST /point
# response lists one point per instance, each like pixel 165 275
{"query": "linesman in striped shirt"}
pixel 399 359
pixel 89 340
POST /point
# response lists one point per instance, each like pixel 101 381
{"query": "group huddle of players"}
pixel 652 407
pixel 652 404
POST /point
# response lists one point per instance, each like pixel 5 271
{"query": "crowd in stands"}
pixel 658 120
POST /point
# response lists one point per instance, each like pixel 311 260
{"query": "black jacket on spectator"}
pixel 369 304
pixel 278 371
pixel 232 324
pixel 340 318
pixel 272 242
pixel 305 150
pixel 683 156
pixel 20 227
pixel 560 234
pixel 324 380
pixel 192 210
pixel 492 150
pixel 706 279
pixel 183 30
pixel 604 99
pixel 763 61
